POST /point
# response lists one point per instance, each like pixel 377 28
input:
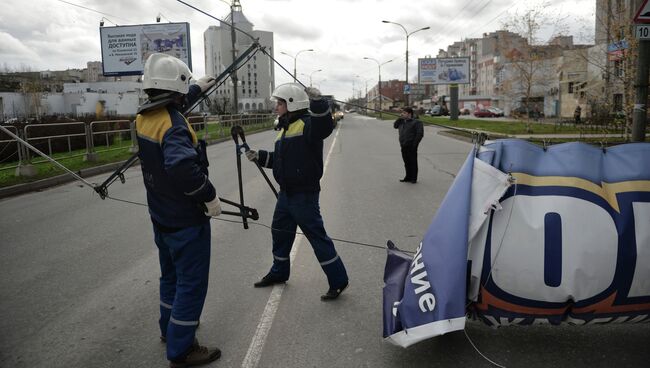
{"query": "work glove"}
pixel 213 208
pixel 206 82
pixel 313 93
pixel 252 155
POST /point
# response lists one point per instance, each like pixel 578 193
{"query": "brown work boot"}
pixel 198 355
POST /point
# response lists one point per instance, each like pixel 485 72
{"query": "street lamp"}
pixel 379 84
pixel 311 74
pixel 101 21
pixel 294 60
pixel 407 50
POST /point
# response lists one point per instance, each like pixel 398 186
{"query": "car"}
pixel 496 111
pixel 438 110
pixel 483 113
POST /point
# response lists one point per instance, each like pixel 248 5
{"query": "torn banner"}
pixel 424 296
pixel 571 243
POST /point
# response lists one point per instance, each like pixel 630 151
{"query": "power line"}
pixel 96 11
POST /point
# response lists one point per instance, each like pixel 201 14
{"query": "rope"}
pixel 272 228
pixel 478 351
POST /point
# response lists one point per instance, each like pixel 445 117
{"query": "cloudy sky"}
pixel 57 34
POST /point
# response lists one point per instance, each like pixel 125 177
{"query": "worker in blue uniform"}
pixel 181 201
pixel 304 122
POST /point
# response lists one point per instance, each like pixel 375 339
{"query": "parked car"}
pixel 438 110
pixel 483 113
pixel 496 111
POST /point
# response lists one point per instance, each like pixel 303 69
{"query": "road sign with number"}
pixel 642 32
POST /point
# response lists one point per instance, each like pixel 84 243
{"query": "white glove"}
pixel 206 82
pixel 213 208
pixel 252 155
pixel 313 93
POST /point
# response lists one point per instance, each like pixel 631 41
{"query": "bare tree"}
pixel 612 62
pixel 529 69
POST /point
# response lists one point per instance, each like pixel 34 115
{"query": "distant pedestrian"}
pixel 576 114
pixel 181 201
pixel 411 132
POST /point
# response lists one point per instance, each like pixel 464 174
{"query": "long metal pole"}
pixel 639 115
pixel 379 87
pixel 37 151
pixel 233 76
pixel 407 95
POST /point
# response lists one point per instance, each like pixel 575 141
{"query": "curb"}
pixel 57 180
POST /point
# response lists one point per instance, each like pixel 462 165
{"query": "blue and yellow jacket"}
pixel 174 166
pixel 297 159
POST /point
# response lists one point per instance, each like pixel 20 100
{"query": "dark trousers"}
pixel 302 209
pixel 410 157
pixel 185 264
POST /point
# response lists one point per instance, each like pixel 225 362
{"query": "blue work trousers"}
pixel 185 265
pixel 302 209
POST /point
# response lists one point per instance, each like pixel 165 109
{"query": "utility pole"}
pixel 233 39
pixel 639 115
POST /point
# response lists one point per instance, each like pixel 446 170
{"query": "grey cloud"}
pixel 287 27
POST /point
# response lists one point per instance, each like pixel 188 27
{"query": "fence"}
pixel 91 140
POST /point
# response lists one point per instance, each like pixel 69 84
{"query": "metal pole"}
pixel 640 104
pixel 380 98
pixel 407 95
pixel 233 75
pixel 453 109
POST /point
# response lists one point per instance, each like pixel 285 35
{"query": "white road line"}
pixel 254 353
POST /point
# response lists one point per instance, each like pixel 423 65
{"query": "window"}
pixel 618 68
pixel 570 87
pixel 618 102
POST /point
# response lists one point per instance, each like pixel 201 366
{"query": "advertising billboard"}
pixel 443 70
pixel 126 48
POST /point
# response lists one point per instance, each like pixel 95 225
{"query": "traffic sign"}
pixel 642 32
pixel 407 89
pixel 643 14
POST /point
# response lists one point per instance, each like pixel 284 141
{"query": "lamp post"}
pixel 379 83
pixel 294 60
pixel 311 74
pixel 407 50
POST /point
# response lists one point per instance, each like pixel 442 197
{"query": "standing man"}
pixel 181 201
pixel 410 135
pixel 297 164
pixel 577 113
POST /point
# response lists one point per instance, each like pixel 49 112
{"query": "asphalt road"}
pixel 79 288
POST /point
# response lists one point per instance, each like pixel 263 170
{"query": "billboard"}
pixel 518 249
pixel 126 48
pixel 443 70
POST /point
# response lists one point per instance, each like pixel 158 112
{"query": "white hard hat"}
pixel 165 72
pixel 294 94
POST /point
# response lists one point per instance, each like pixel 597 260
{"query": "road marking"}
pixel 254 353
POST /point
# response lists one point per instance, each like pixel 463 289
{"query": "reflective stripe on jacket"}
pixel 174 167
pixel 297 159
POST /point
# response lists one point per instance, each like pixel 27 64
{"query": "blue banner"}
pixel 563 237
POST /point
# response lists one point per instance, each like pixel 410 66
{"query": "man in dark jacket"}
pixel 410 135
pixel 297 164
pixel 181 201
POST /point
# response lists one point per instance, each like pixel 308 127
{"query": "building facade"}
pixel 255 79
